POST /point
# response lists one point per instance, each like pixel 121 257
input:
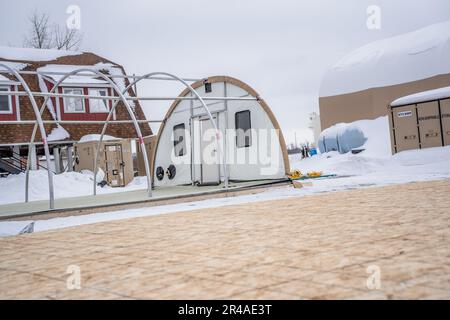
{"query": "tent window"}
pixel 179 141
pixel 243 126
pixel 208 87
pixel 72 104
pixel 5 102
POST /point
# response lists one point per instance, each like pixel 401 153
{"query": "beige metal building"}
pixel 116 160
pixel 363 84
pixel 421 120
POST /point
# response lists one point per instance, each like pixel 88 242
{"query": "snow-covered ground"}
pixel 68 184
pixel 373 167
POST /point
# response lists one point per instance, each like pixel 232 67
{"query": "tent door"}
pixel 114 165
pixel 210 169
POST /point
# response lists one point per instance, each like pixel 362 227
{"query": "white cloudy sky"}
pixel 282 48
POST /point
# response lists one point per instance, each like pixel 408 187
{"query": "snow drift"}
pixel 372 135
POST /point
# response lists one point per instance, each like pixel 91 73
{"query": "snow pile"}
pixel 31 54
pixel 96 137
pixel 66 185
pixel 429 95
pixel 408 57
pixel 58 134
pixel 372 135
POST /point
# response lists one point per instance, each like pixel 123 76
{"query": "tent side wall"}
pixel 180 115
pixel 372 103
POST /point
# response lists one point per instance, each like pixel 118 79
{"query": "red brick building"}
pixel 18 108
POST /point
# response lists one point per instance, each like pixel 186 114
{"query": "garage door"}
pixel 445 114
pixel 405 125
pixel 429 124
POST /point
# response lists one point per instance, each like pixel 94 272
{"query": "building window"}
pixel 71 104
pixel 243 126
pixel 208 87
pixel 5 102
pixel 98 105
pixel 179 141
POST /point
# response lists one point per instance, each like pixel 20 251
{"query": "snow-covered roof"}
pixel 429 95
pixel 75 79
pixel 31 54
pixel 5 80
pixel 417 55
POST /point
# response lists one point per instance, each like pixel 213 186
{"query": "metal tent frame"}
pixel 39 123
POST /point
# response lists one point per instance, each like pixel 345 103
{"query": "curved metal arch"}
pixel 42 130
pixel 121 97
pixel 189 87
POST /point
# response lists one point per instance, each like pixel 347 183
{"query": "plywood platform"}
pixel 325 246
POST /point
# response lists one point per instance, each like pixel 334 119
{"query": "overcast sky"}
pixel 281 48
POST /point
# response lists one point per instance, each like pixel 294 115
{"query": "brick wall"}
pixel 13 133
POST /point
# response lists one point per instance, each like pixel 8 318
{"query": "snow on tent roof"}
pixel 429 95
pixel 31 54
pixel 417 55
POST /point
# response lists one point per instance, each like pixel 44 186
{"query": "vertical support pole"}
pixel 57 160
pixel 226 177
pixel 191 129
pixel 16 156
pixel 69 159
pixel 33 158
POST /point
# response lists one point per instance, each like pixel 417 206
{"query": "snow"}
pixel 377 130
pixel 429 95
pixel 65 68
pixel 408 57
pixel 66 185
pixel 31 54
pixel 375 166
pixel 364 171
pixel 14 65
pixel 94 79
pixel 96 137
pixel 4 79
pixel 58 134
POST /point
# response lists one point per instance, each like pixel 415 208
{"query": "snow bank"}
pixel 371 135
pixel 429 95
pixel 408 57
pixel 67 184
pixel 31 54
pixel 96 137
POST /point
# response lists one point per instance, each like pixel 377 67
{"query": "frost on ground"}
pixel 375 166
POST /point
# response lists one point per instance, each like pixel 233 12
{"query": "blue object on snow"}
pixel 341 138
pixel 313 151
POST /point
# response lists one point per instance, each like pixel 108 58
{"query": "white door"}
pixel 210 169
